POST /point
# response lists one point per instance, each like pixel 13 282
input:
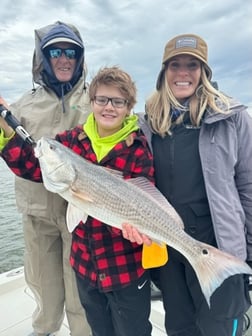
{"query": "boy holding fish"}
pixel 113 286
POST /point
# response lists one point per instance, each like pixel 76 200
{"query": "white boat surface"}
pixel 17 304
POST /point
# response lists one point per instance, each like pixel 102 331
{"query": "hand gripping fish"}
pixel 104 195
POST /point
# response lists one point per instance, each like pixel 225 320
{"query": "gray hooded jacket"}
pixel 225 147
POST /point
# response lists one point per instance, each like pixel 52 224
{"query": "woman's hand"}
pixel 133 235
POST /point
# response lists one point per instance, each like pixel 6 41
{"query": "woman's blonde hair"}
pixel 159 104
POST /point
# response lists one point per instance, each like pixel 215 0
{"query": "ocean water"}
pixel 11 234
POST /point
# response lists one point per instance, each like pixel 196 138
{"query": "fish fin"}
pixel 156 196
pixel 114 172
pixel 213 266
pixel 81 195
pixel 73 217
pixel 155 255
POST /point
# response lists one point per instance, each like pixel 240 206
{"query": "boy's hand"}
pixel 3 102
pixel 133 235
pixel 3 124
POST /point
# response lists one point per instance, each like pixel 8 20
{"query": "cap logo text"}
pixel 189 42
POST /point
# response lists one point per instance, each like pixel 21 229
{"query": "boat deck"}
pixel 17 304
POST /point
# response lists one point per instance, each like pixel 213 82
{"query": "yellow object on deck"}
pixel 154 255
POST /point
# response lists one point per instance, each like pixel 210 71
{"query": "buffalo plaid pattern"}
pixel 99 253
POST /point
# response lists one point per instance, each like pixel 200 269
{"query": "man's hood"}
pixel 47 33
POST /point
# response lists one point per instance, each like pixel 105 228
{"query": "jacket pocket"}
pixel 200 224
pixel 200 209
pixel 33 199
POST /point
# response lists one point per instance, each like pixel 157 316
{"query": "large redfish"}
pixel 105 195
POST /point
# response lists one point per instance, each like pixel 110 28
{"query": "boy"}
pixel 114 288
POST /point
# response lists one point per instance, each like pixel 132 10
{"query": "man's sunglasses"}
pixel 57 53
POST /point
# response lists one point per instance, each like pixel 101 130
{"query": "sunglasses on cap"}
pixel 57 53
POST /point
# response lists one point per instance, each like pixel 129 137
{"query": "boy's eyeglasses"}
pixel 116 102
pixel 57 53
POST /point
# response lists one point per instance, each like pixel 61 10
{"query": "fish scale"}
pixel 103 194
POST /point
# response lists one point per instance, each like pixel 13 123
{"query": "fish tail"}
pixel 213 266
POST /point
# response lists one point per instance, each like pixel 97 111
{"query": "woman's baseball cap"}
pixel 189 44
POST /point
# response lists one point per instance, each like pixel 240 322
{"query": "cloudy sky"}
pixel 132 34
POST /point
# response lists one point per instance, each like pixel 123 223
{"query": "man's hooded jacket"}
pixel 47 109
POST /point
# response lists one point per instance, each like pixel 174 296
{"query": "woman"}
pixel 202 146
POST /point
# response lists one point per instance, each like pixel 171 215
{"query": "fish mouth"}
pixel 37 151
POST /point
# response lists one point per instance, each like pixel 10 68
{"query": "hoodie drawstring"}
pixel 65 87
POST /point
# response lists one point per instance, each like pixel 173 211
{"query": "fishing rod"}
pixel 15 124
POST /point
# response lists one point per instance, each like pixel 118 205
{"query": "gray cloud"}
pixel 133 35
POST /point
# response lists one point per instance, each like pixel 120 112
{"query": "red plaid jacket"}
pixel 99 253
